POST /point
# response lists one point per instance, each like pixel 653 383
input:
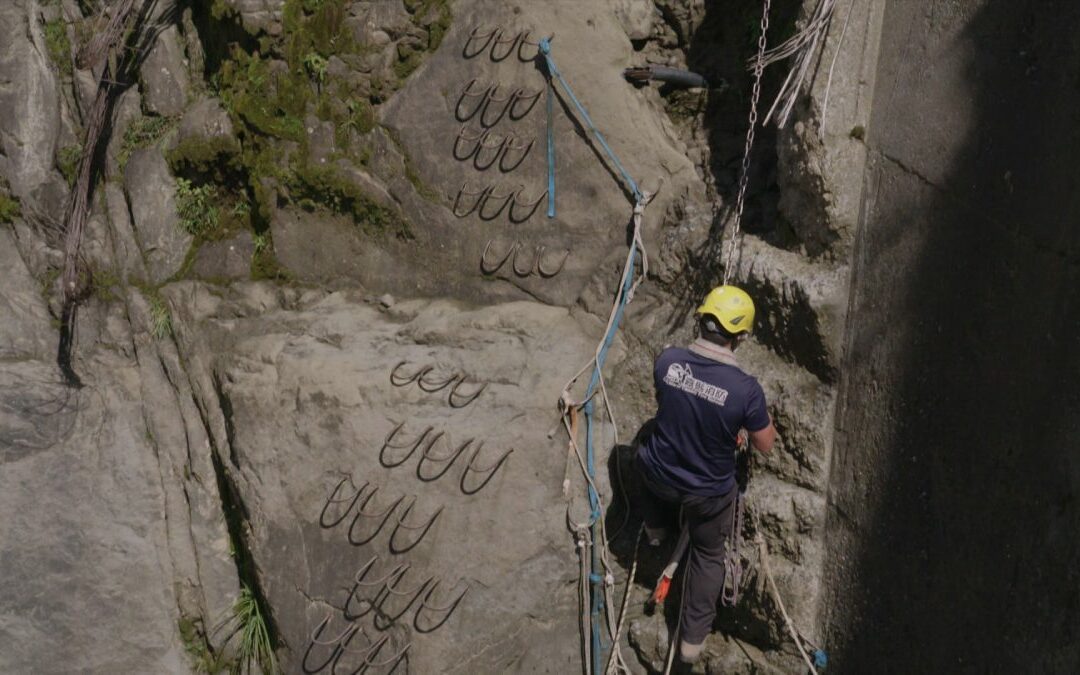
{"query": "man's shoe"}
pixel 680 667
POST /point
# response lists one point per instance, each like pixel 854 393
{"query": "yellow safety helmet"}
pixel 731 306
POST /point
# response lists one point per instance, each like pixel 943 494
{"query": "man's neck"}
pixel 711 350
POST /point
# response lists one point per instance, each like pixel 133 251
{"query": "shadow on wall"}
pixel 718 50
pixel 954 528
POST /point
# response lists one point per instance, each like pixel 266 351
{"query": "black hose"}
pixel 672 76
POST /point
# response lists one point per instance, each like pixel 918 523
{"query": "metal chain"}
pixel 744 175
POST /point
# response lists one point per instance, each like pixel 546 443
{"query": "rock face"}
pixel 151 191
pixel 413 439
pixel 259 15
pixel 378 461
pixel 339 397
pixel 165 83
pixel 473 120
pixel 107 515
pixel 29 110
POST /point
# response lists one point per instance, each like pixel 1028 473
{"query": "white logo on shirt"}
pixel 681 377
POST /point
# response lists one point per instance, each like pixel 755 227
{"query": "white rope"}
pixel 763 556
pixel 582 530
pixel 625 295
pixel 674 638
pixel 625 602
pixel 832 66
pixel 801 48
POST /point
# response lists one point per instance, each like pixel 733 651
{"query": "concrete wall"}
pixel 953 520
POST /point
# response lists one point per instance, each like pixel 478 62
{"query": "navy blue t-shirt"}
pixel 702 405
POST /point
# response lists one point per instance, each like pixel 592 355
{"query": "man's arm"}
pixel 757 416
pixel 763 439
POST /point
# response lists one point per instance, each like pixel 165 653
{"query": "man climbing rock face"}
pixel 688 460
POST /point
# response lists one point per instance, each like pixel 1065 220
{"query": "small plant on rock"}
pixel 143 132
pixel 196 208
pixel 315 65
pixel 361 115
pixel 67 160
pixel 204 660
pixel 160 319
pixel 250 636
pixel 59 46
pixel 262 243
pixel 9 207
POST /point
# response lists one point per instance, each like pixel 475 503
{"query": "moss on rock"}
pixel 67 160
pixel 203 155
pixel 9 208
pixel 58 45
pixel 328 186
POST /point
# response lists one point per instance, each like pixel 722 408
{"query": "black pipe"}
pixel 673 76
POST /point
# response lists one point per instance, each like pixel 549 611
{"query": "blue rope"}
pixel 553 72
pixel 595 578
pixel 821 659
pixel 551 148
pixel 590 457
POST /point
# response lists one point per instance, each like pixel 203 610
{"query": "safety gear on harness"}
pixel 731 306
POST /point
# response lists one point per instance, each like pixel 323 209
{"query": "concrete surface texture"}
pixel 953 517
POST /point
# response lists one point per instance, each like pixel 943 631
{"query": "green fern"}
pixel 315 64
pixel 253 644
